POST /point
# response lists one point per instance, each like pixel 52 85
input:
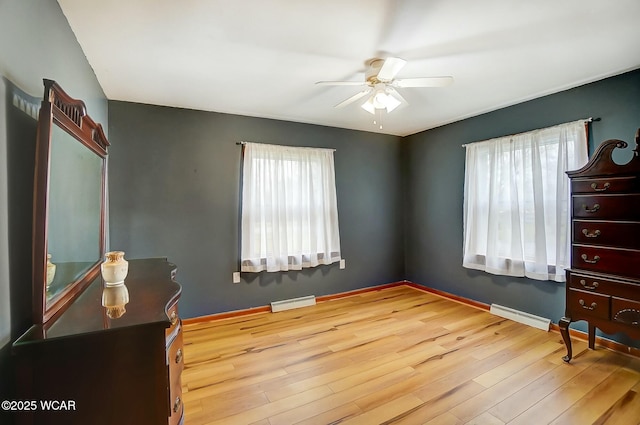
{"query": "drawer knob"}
pixel 173 318
pixel 584 257
pixel 595 208
pixel 176 405
pixel 604 187
pixel 584 284
pixel 593 234
pixel 588 307
pixel 179 355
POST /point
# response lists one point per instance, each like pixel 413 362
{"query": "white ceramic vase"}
pixel 115 267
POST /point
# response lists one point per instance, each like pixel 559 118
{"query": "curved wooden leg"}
pixel 592 336
pixel 563 324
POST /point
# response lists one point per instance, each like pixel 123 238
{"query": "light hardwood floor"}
pixel 398 356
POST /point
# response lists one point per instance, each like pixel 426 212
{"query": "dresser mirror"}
pixel 69 202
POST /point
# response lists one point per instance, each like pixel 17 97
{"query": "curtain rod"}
pixel 242 142
pixel 590 119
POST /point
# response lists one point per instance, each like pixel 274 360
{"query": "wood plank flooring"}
pixel 398 356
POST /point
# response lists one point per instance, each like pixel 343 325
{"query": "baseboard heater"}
pixel 521 317
pixel 293 303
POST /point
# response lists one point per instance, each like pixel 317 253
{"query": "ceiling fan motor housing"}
pixel 373 68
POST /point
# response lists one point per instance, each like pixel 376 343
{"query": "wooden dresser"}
pixel 603 283
pixel 108 371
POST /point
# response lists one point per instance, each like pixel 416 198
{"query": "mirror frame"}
pixel 60 109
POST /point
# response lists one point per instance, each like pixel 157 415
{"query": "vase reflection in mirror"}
pixel 115 294
pixel 51 271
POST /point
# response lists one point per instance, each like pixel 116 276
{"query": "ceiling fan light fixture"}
pixel 368 106
pixel 379 101
pixel 391 103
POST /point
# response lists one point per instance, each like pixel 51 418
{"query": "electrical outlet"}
pixel 236 277
pixel 343 264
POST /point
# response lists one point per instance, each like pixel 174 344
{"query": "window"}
pixel 289 208
pixel 516 202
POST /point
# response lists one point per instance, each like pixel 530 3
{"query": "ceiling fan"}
pixel 381 85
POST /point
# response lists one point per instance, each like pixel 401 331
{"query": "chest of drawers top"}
pixel 602 175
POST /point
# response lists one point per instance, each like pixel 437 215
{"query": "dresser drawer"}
pixel 177 412
pixel 590 283
pixel 175 354
pixel 175 362
pixel 604 284
pixel 622 234
pixel 606 185
pixel 620 262
pixel 587 303
pixel 625 311
pixel 174 317
pixel 613 207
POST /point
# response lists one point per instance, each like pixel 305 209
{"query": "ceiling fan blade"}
pixel 424 82
pixel 353 98
pixel 341 83
pixel 390 68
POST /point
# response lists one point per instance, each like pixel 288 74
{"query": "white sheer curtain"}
pixel 289 208
pixel 516 202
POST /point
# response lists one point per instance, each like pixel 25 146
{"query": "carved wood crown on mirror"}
pixel 69 202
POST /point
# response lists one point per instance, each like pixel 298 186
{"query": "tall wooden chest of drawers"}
pixel 603 283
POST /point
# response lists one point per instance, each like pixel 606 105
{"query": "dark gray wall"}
pixel 175 191
pixel 36 42
pixel 434 170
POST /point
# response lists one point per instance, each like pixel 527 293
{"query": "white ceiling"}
pixel 262 57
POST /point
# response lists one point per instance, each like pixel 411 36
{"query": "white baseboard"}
pixel 521 317
pixel 293 303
